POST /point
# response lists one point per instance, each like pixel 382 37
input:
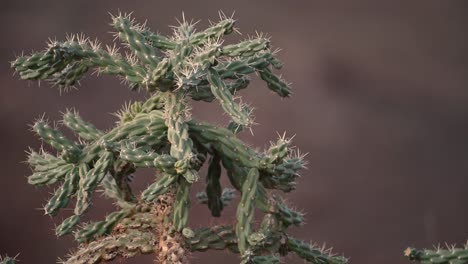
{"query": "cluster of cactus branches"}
pixel 159 133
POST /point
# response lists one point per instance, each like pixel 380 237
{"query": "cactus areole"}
pixel 159 133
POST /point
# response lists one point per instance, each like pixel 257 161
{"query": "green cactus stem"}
pixel 245 210
pixel 450 255
pixel 7 260
pixel 313 254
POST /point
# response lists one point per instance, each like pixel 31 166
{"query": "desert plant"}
pixel 7 260
pixel 159 133
pixel 449 255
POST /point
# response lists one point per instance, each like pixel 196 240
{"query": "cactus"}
pixel 7 260
pixel 450 255
pixel 160 133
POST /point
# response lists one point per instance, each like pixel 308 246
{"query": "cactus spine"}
pixel 159 133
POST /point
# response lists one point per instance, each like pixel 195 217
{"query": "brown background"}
pixel 380 104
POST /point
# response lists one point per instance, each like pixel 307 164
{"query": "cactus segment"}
pixel 158 188
pixel 246 48
pixel 50 176
pixel 313 254
pixel 77 49
pixel 245 210
pixel 181 206
pixel 57 140
pixel 131 34
pixel 178 136
pixel 215 237
pixel 97 229
pixel 62 196
pixel 275 83
pixel 70 75
pixel 216 31
pixel 224 96
pixel 449 255
pixel 67 225
pixel 158 41
pixel 89 180
pixel 85 130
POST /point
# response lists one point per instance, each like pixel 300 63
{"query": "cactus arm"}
pixel 181 205
pixel 246 48
pixel 159 187
pixel 158 41
pixel 43 65
pixel 97 229
pixel 43 161
pixel 157 74
pixel 7 260
pixel 216 31
pixel 85 130
pixel 57 140
pixel 131 34
pixel 50 176
pixel 242 66
pixel 178 136
pixel 70 75
pixel 143 124
pixel 203 92
pixel 224 96
pixel 245 210
pixel 224 237
pixel 62 196
pixel 145 159
pixel 225 143
pixel 215 238
pixel 313 254
pixel 283 175
pixel 275 83
pixel 67 225
pixel 440 255
pixel 89 180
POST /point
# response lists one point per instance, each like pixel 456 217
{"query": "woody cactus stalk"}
pixel 159 133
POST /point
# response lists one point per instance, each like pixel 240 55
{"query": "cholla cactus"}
pixel 450 255
pixel 159 133
pixel 7 260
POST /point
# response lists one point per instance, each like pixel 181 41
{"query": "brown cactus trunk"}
pixel 170 248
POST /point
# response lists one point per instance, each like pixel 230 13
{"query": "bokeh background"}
pixel 380 104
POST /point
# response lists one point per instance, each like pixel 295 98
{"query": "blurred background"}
pixel 380 104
